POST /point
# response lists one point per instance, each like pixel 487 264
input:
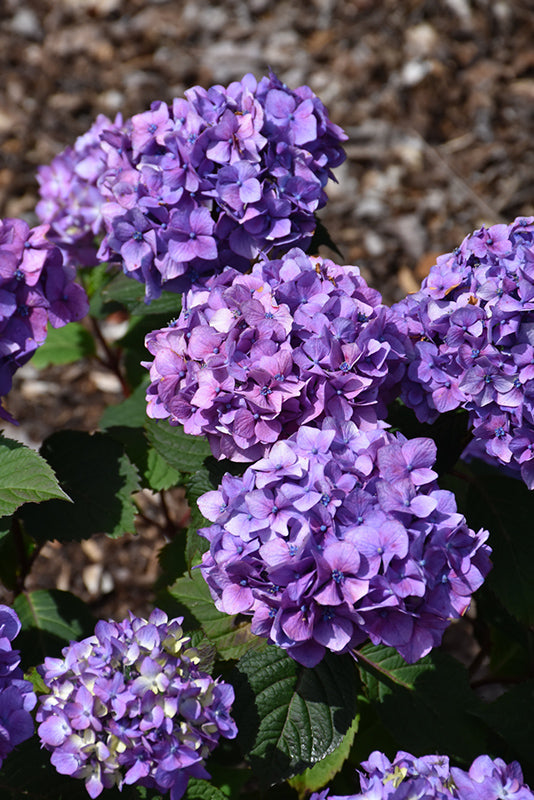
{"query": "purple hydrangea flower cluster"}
pixel 215 179
pixel 338 535
pixel 253 357
pixel 431 777
pixel 472 325
pixel 131 705
pixel 35 288
pixel 71 202
pixel 17 697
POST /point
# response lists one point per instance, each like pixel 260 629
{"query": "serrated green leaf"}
pixel 49 619
pixel 131 413
pixel 16 548
pixel 321 236
pixel 183 452
pixel 230 634
pixel 198 789
pixel 290 717
pixel 133 347
pixel 27 774
pixel 131 294
pixel 36 679
pixel 510 716
pixel 158 474
pixel 25 477
pixel 506 508
pixel 100 479
pixel 434 694
pixel 64 345
pixel 322 773
pixel 154 471
pixel 196 485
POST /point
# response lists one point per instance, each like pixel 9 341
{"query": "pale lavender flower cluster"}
pixel 253 357
pixel 17 697
pixel 215 179
pixel 131 705
pixel 432 777
pixel 338 535
pixel 35 288
pixel 472 324
pixel 71 202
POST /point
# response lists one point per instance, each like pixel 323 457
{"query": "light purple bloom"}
pixel 472 334
pixel 253 357
pixel 17 697
pixel 325 547
pixel 131 705
pixel 224 175
pixel 35 288
pixel 408 776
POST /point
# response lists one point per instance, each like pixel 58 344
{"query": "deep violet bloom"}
pixel 36 288
pixel 71 202
pixel 332 539
pixel 131 704
pixel 472 332
pixel 17 697
pixel 253 357
pixel 222 177
pixel 408 776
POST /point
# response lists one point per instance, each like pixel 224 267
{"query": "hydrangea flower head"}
pixel 35 288
pixel 217 178
pixel 432 777
pixel 17 697
pixel 472 330
pixel 132 705
pixel 253 357
pixel 71 202
pixel 338 535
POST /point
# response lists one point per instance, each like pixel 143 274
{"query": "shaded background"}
pixel 437 98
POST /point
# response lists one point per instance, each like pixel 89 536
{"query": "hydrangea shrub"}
pixel 356 583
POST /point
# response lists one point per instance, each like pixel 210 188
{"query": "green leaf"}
pixel 322 773
pixel 510 716
pixel 133 344
pixel 203 790
pixel 131 294
pixel 27 773
pixel 64 345
pixel 94 280
pixel 230 634
pixel 158 474
pixel 506 508
pixel 49 619
pixel 36 679
pixel 433 694
pixel 131 413
pixel 100 479
pixel 183 452
pixel 321 236
pixel 290 717
pixel 196 485
pixel 16 548
pixel 25 477
pixel 154 471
